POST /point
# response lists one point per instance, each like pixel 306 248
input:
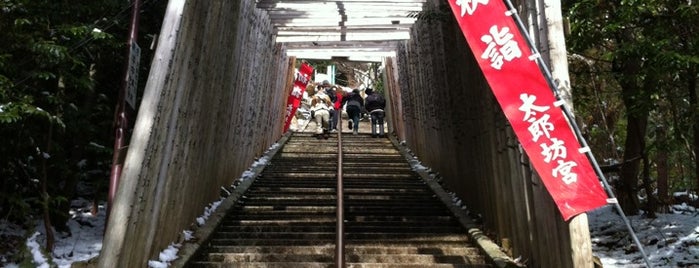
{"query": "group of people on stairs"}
pixel 327 103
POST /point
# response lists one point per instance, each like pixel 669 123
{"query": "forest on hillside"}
pixel 61 70
pixel 633 68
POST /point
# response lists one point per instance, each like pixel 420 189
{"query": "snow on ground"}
pixel 83 243
pixel 670 240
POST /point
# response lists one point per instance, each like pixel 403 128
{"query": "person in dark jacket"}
pixel 375 105
pixel 355 104
pixel 331 91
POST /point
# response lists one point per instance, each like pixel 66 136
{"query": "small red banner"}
pixel 303 75
pixel 529 104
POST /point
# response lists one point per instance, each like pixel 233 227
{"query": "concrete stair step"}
pixel 349 249
pixel 426 220
pixel 211 264
pixel 301 175
pixel 370 220
pixel 451 250
pixel 359 203
pixel 388 191
pixel 369 176
pixel 270 242
pixel 331 265
pixel 399 265
pixel 286 189
pixel 328 249
pixel 283 217
pixel 289 197
pixel 414 259
pixel 352 164
pixel 300 202
pixel 362 185
pixel 388 201
pixel 425 211
pixel 409 237
pixel 285 208
pixel 350 228
pixel 390 228
pixel 350 199
pixel 287 217
pixel 277 183
pixel 268 257
pixel 331 174
pixel 400 239
pixel 405 198
pixel 276 235
pixel 277 228
pixel 383 183
pixel 399 244
pixel 276 222
pixel 415 242
pixel 326 207
pixel 235 258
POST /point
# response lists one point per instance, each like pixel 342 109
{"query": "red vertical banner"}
pixel 303 75
pixel 529 104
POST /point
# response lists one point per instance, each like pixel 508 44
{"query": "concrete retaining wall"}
pixel 214 101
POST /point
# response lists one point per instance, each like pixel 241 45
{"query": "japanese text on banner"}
pixel 527 100
pixel 294 100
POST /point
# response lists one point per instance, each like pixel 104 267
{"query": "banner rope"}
pixel 578 133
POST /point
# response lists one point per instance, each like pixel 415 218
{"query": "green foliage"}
pixel 607 38
pixel 318 65
pixel 378 86
pixel 61 66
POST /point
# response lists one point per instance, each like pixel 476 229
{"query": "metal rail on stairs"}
pixel 340 229
pixel 385 213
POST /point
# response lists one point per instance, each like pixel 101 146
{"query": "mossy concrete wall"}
pixel 214 101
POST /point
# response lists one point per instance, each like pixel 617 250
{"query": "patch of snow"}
pixel 207 212
pixel 166 256
pixel 34 247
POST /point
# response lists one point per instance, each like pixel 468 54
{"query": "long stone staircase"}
pixel 287 217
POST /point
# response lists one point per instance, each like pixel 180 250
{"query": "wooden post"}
pixel 580 244
pixel 121 118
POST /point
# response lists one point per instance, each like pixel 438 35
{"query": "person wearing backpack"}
pixel 320 108
pixel 355 105
pixel 375 105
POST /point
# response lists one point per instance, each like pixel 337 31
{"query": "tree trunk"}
pixel 662 170
pixel 637 119
pixel 628 67
pixel 694 108
pixel 45 198
pixel 64 182
pixel 652 204
pixel 628 186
